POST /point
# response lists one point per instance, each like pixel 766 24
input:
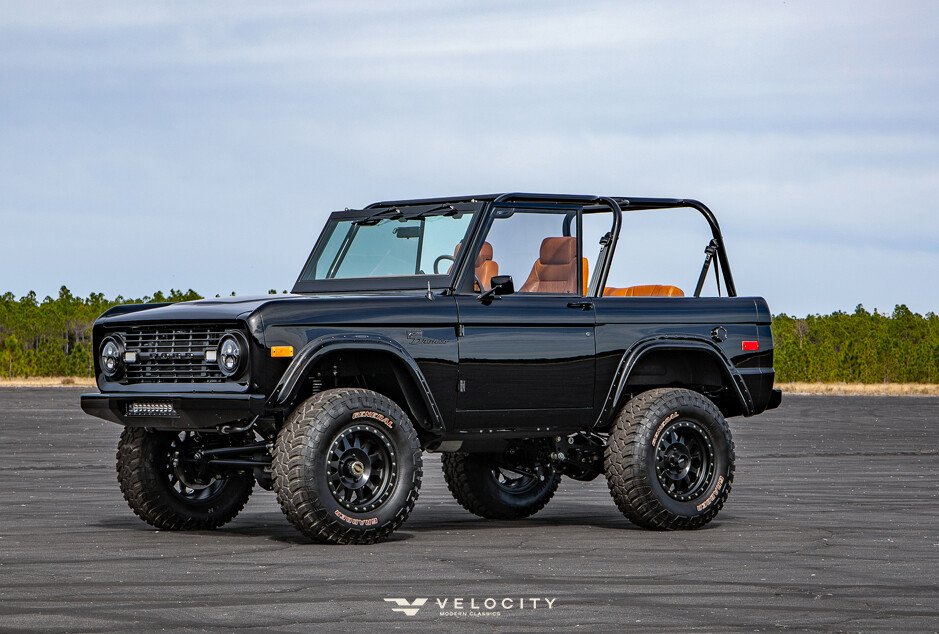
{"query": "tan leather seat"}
pixel 555 270
pixel 486 267
pixel 645 290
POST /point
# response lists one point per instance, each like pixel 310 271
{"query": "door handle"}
pixel 580 305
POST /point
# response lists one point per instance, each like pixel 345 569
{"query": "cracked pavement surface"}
pixel 833 524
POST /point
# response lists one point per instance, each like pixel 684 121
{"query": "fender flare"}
pixel 321 346
pixel 637 351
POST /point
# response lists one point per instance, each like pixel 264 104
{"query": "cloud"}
pixel 813 130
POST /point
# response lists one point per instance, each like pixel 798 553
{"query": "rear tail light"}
pixel 751 346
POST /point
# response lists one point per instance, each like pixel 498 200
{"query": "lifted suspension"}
pixel 255 456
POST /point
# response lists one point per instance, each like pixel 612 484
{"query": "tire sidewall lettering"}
pixel 713 496
pixel 368 521
pixel 658 432
pixel 381 418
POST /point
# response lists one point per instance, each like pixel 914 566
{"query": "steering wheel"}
pixel 439 259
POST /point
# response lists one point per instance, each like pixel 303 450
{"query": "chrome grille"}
pixel 167 354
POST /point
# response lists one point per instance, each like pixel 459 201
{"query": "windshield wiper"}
pixel 451 212
pixel 397 214
pixel 388 214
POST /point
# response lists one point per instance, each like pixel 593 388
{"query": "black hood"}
pixel 213 309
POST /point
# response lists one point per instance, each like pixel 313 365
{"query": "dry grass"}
pixel 48 381
pixel 861 389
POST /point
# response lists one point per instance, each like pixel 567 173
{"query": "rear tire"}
pixel 670 460
pixel 484 490
pixel 347 467
pixel 167 497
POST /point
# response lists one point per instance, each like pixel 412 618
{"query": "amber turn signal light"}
pixel 281 351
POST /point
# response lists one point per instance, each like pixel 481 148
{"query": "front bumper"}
pixel 190 411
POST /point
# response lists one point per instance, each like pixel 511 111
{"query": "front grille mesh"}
pixel 168 354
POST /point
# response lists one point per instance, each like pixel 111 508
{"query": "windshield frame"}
pixel 382 283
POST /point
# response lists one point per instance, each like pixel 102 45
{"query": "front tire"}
pixel 486 490
pixel 669 460
pixel 347 467
pixel 172 496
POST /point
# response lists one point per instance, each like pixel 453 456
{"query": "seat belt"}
pixel 709 252
pixel 601 258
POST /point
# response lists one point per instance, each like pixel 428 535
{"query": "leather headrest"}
pixel 558 250
pixel 485 253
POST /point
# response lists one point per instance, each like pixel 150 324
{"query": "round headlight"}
pixel 230 355
pixel 112 357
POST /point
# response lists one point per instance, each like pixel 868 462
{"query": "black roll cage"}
pixel 482 206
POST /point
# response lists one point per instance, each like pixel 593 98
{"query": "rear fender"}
pixel 631 358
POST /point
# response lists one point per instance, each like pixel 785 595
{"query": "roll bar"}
pixel 616 204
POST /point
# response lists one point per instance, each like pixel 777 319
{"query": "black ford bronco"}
pixel 485 328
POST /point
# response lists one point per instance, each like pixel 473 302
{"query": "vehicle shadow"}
pixel 274 526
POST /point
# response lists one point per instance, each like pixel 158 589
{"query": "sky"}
pixel 148 146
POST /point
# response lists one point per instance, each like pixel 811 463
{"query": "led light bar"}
pixel 151 408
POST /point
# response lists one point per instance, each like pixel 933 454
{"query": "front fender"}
pixel 318 348
pixel 637 351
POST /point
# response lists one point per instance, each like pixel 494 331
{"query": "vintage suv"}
pixel 481 327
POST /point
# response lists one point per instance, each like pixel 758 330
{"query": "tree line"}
pixel 52 337
pixel 858 347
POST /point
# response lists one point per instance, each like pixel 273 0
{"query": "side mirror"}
pixel 501 285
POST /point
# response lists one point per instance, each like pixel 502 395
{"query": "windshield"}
pixel 388 247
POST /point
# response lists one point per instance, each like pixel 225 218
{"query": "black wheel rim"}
pixel 186 479
pixel 361 467
pixel 513 481
pixel 684 460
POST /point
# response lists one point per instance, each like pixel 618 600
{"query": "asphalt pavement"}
pixel 832 524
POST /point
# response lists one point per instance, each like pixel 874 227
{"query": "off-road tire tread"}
pixel 310 423
pixel 465 490
pixel 147 503
pixel 625 458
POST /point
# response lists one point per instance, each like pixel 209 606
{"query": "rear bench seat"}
pixel 645 290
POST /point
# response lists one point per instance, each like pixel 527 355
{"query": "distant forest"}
pixel 52 337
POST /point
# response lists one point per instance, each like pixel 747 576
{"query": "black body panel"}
pixel 525 347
